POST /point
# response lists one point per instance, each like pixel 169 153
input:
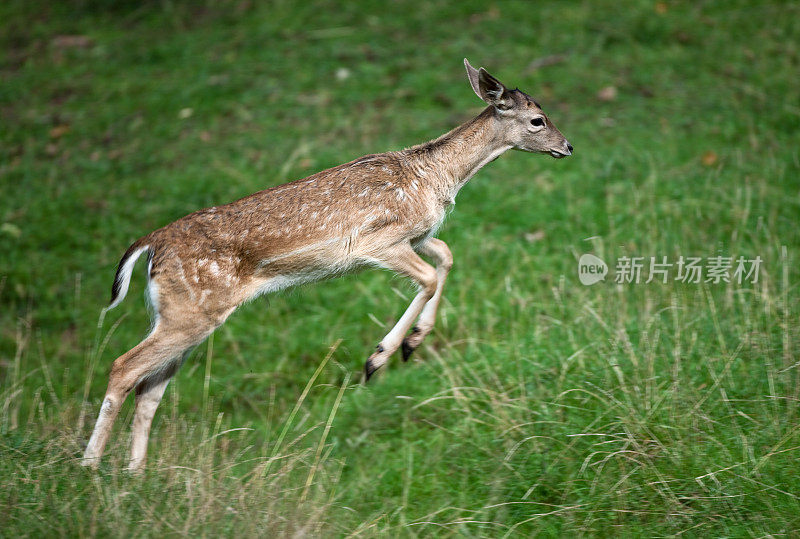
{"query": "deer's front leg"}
pixel 441 255
pixel 405 261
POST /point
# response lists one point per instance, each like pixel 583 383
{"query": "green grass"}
pixel 538 405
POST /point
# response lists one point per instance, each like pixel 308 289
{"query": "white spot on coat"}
pixel 203 295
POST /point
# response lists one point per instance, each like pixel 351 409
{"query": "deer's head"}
pixel 525 126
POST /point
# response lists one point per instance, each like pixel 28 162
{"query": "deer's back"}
pixel 328 222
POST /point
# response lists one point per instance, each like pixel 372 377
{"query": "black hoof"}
pixel 407 350
pixel 369 370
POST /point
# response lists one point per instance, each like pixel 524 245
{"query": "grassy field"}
pixel 538 405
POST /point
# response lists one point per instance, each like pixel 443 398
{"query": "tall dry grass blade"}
pixel 298 404
pixel 324 437
pixel 94 356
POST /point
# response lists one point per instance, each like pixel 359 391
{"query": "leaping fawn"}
pixel 379 210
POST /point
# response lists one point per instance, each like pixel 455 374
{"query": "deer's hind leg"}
pixel 148 396
pixel 148 366
pixel 151 359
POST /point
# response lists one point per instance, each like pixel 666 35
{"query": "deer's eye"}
pixel 537 122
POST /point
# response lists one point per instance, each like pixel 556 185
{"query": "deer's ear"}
pixel 493 92
pixel 488 88
pixel 472 75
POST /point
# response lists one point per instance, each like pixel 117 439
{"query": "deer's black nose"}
pixel 569 147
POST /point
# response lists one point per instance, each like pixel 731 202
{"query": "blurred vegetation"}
pixel 538 405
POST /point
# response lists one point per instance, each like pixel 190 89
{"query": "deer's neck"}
pixel 448 162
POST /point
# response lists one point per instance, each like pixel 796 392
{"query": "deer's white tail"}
pixel 123 277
